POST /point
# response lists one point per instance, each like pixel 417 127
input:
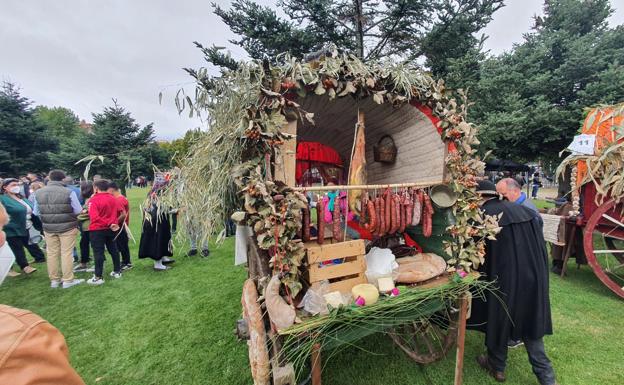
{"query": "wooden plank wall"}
pixel 421 152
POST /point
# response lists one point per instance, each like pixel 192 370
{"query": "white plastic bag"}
pixel 380 263
pixel 240 250
pixel 314 299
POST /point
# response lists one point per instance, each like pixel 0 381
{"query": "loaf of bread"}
pixel 420 267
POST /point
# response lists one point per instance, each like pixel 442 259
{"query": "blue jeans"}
pixel 534 192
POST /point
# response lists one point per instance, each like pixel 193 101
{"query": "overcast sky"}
pixel 81 53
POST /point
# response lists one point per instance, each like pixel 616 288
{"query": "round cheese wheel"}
pixel 367 291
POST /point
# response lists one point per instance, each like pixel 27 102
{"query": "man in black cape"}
pixel 520 307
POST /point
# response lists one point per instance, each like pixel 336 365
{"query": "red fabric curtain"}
pixel 310 154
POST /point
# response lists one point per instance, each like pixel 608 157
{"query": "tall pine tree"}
pixel 124 144
pixel 25 144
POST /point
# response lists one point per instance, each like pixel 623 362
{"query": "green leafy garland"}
pixel 247 110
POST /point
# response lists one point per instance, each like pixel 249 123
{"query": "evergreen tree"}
pixel 530 101
pixel 124 144
pixel 434 30
pixel 25 145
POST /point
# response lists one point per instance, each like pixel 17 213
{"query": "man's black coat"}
pixel 518 263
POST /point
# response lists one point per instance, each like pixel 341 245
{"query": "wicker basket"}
pixel 385 150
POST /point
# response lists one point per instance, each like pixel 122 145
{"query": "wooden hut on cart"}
pixel 327 162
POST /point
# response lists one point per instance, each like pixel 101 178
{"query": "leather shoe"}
pixel 483 362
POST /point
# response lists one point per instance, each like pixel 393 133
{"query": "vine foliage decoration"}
pixel 229 169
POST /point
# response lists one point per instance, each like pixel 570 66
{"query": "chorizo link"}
pixel 395 214
pixel 388 200
pixel 409 210
pixel 377 218
pixel 403 214
pixel 397 211
pixel 382 216
pixel 372 216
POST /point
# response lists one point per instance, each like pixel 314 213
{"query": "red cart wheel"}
pixel 605 254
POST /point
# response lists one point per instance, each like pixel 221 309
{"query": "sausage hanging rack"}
pixel 366 186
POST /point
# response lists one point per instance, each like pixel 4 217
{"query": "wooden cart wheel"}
pixel 616 245
pixel 429 340
pixel 606 255
pixel 257 343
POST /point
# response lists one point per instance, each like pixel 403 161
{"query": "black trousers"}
pixel 17 245
pixel 99 240
pixel 84 247
pixel 122 245
pixel 540 363
pixel 35 251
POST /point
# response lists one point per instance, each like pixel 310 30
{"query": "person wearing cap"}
pixel 519 309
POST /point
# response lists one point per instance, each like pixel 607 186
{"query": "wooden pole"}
pixel 461 339
pixel 316 364
pixel 368 186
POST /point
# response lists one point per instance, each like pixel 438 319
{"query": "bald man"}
pixel 511 190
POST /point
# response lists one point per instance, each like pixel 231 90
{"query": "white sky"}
pixel 80 54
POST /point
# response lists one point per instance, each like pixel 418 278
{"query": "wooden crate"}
pixel 344 276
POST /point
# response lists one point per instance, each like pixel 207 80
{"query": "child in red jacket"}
pixel 105 214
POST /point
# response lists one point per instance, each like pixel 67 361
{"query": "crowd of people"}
pixel 58 210
pixel 54 210
pixel 80 222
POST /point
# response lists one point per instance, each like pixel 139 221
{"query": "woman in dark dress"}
pixel 156 234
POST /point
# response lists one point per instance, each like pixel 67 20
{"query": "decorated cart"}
pixel 355 183
pixel 597 182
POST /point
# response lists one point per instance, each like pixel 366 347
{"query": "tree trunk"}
pixel 359 21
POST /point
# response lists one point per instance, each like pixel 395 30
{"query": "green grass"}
pixel 542 204
pixel 175 327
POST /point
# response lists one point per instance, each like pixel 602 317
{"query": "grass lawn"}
pixel 176 327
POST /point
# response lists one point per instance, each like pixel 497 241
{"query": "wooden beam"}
pixel 285 165
pixel 461 340
pixel 367 186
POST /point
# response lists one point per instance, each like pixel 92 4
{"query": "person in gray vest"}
pixel 58 207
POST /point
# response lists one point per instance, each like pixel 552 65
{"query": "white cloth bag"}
pixel 240 248
pixel 6 260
